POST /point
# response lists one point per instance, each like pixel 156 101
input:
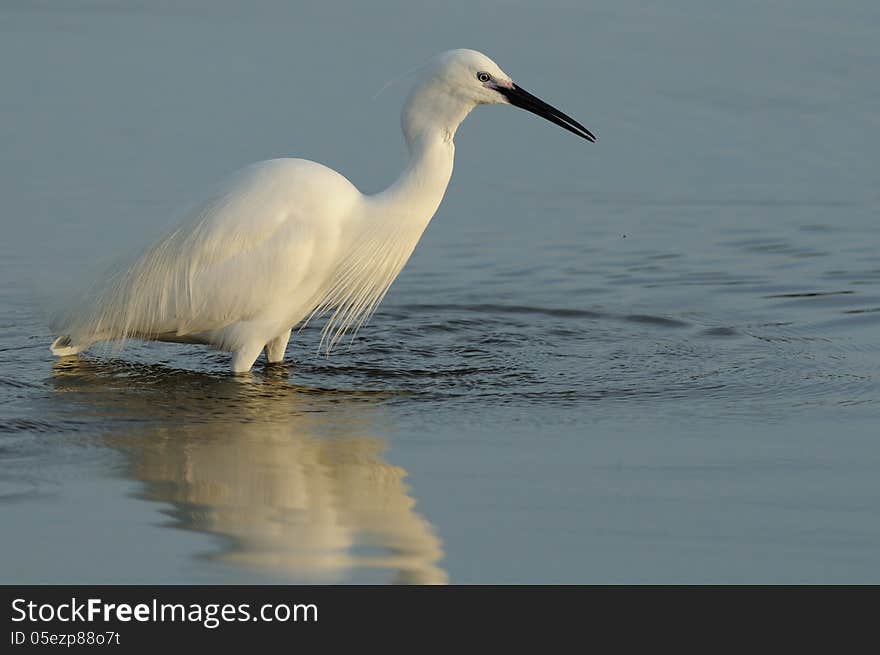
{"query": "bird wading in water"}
pixel 287 240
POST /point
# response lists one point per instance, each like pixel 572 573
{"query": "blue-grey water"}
pixel 653 359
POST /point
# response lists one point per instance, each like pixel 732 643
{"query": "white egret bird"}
pixel 289 239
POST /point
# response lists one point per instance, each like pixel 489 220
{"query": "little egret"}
pixel 289 239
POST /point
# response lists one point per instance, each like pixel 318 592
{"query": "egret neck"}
pixel 429 121
pixel 394 220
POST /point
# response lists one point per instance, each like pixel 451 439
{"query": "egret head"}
pixel 473 79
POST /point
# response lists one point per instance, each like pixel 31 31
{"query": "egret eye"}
pixel 483 77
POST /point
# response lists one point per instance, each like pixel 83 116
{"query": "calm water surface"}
pixel 654 359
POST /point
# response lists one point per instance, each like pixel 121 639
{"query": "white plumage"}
pixel 288 239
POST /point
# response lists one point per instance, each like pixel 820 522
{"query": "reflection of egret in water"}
pixel 287 474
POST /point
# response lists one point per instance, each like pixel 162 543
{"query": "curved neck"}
pixel 417 193
pixel 429 120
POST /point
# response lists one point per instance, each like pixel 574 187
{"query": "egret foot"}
pixel 64 347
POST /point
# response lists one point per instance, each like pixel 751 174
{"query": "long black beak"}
pixel 519 97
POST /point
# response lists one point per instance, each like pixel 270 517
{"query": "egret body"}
pixel 288 239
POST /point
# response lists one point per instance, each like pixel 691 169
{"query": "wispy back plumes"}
pixel 363 278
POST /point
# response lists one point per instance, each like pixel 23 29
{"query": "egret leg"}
pixel 276 348
pixel 243 358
